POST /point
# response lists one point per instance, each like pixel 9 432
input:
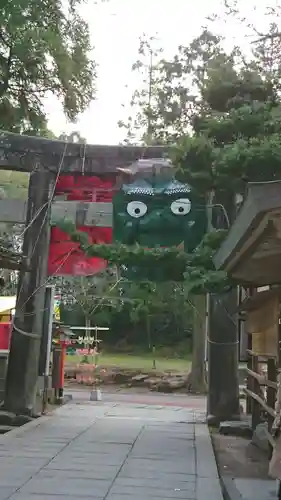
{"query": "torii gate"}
pixel 45 160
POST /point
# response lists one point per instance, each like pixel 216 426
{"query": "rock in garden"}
pixel 138 379
pixel 240 428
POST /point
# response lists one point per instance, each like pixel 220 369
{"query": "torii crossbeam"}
pixel 24 154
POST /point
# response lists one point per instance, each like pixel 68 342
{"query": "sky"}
pixel 115 28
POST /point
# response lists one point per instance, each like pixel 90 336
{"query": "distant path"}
pixel 141 396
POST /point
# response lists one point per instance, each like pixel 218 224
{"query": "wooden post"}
pixel 271 392
pixel 256 410
pixel 279 347
pixel 243 337
pixel 23 363
pixel 271 395
pixel 249 383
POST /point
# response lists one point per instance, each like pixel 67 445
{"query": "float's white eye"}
pixel 136 209
pixel 182 206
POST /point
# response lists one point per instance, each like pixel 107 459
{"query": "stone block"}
pixel 240 428
pixel 208 488
pixel 205 463
pixel 256 489
pixel 260 438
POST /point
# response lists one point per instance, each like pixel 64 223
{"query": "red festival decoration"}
pixel 65 257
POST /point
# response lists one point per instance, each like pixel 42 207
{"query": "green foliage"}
pixel 171 261
pixel 194 156
pixel 224 157
pixel 13 184
pixel 254 119
pixel 200 275
pixel 231 149
pixel 89 294
pixel 142 314
pixel 172 91
pixel 227 125
pixel 175 264
pixel 44 48
pixel 236 132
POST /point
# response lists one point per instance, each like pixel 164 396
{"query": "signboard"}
pixel 85 352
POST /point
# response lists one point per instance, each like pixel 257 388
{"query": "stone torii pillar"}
pixel 22 373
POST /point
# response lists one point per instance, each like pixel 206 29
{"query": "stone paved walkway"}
pixel 110 451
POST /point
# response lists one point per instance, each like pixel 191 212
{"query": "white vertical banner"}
pixel 50 327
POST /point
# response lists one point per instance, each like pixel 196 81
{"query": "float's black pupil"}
pixel 137 210
pixel 181 209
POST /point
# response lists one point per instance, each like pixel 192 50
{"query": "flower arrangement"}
pixel 88 374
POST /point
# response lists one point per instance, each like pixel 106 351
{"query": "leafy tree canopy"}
pixel 44 48
pixel 235 135
pixel 219 109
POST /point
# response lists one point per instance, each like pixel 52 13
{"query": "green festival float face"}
pixel 163 215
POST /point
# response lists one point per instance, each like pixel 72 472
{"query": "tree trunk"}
pixel 223 384
pixel 196 380
pixel 88 332
pixel 87 345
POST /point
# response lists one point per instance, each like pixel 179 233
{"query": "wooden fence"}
pixel 261 390
pixel 261 313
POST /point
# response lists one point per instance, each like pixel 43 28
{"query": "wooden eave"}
pixel 251 252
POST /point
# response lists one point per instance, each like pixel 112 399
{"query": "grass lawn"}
pixel 142 362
